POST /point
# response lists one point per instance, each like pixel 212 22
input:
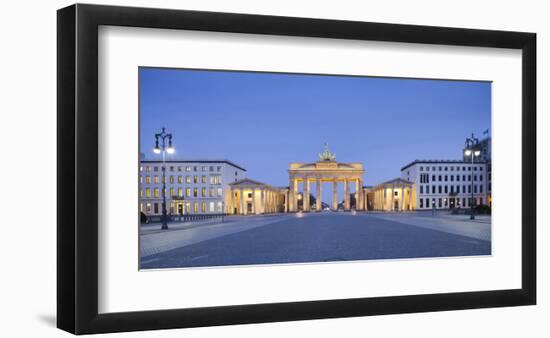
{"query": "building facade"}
pixel 192 187
pixel 326 169
pixel 447 184
pixel 484 146
pixel 250 197
pixel 394 195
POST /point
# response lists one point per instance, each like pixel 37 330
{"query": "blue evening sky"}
pixel 264 121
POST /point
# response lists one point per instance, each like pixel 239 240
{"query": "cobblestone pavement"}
pixel 316 238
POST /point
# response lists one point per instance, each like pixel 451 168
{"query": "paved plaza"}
pixel 313 237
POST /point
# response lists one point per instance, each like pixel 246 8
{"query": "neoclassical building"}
pixel 326 169
pixel 394 195
pixel 248 196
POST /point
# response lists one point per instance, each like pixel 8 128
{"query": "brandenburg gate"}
pixel 326 169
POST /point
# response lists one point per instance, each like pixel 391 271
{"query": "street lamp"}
pixel 163 148
pixel 470 150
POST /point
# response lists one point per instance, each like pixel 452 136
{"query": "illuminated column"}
pixel 254 202
pixel 295 195
pixel 262 194
pixel 306 194
pixel 346 194
pixel 232 202
pixel 243 209
pixel 335 194
pixel 358 194
pixel 392 201
pixel 401 197
pixel 318 195
pixel 291 195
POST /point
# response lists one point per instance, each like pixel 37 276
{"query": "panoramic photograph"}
pixel 250 168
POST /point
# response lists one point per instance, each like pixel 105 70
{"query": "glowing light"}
pixel 477 152
pixel 468 152
pixel 156 150
pixel 170 150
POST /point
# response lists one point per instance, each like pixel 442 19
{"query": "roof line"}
pixel 196 161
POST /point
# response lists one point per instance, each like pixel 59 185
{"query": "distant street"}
pixel 322 237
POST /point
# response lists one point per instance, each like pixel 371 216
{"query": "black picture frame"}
pixel 77 173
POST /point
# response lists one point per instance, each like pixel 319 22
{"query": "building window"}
pixel 424 178
pixel 179 167
pixel 156 180
pixel 203 207
pixel 421 189
pixel 481 177
pixel 155 168
pixel 171 179
pixel 469 178
pixel 212 207
pixel 156 193
pixel 171 168
pixel 148 179
pixel 439 189
pixel 187 168
pixel 220 192
pixel 439 202
pixel 249 195
pixel 421 169
pixel 195 192
pixel 156 208
pixel 203 192
pixel 219 168
pixel 211 168
pixel 148 193
pixel 203 179
pixel 172 192
pixel 235 173
pixel 433 189
pixel 458 178
pixel 196 207
pixel 469 189
pixel 446 177
pixel 187 179
pixel 481 188
pixel 446 189
pixel 421 203
pixel 463 189
pixel 203 168
pixel 452 177
pixel 212 192
pixel 180 179
pixel 148 207
pixel 180 192
pixel 220 207
pixel 188 192
pixel 195 179
pixel 195 168
pixel 446 168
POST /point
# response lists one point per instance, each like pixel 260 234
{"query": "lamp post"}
pixel 471 143
pixel 163 148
